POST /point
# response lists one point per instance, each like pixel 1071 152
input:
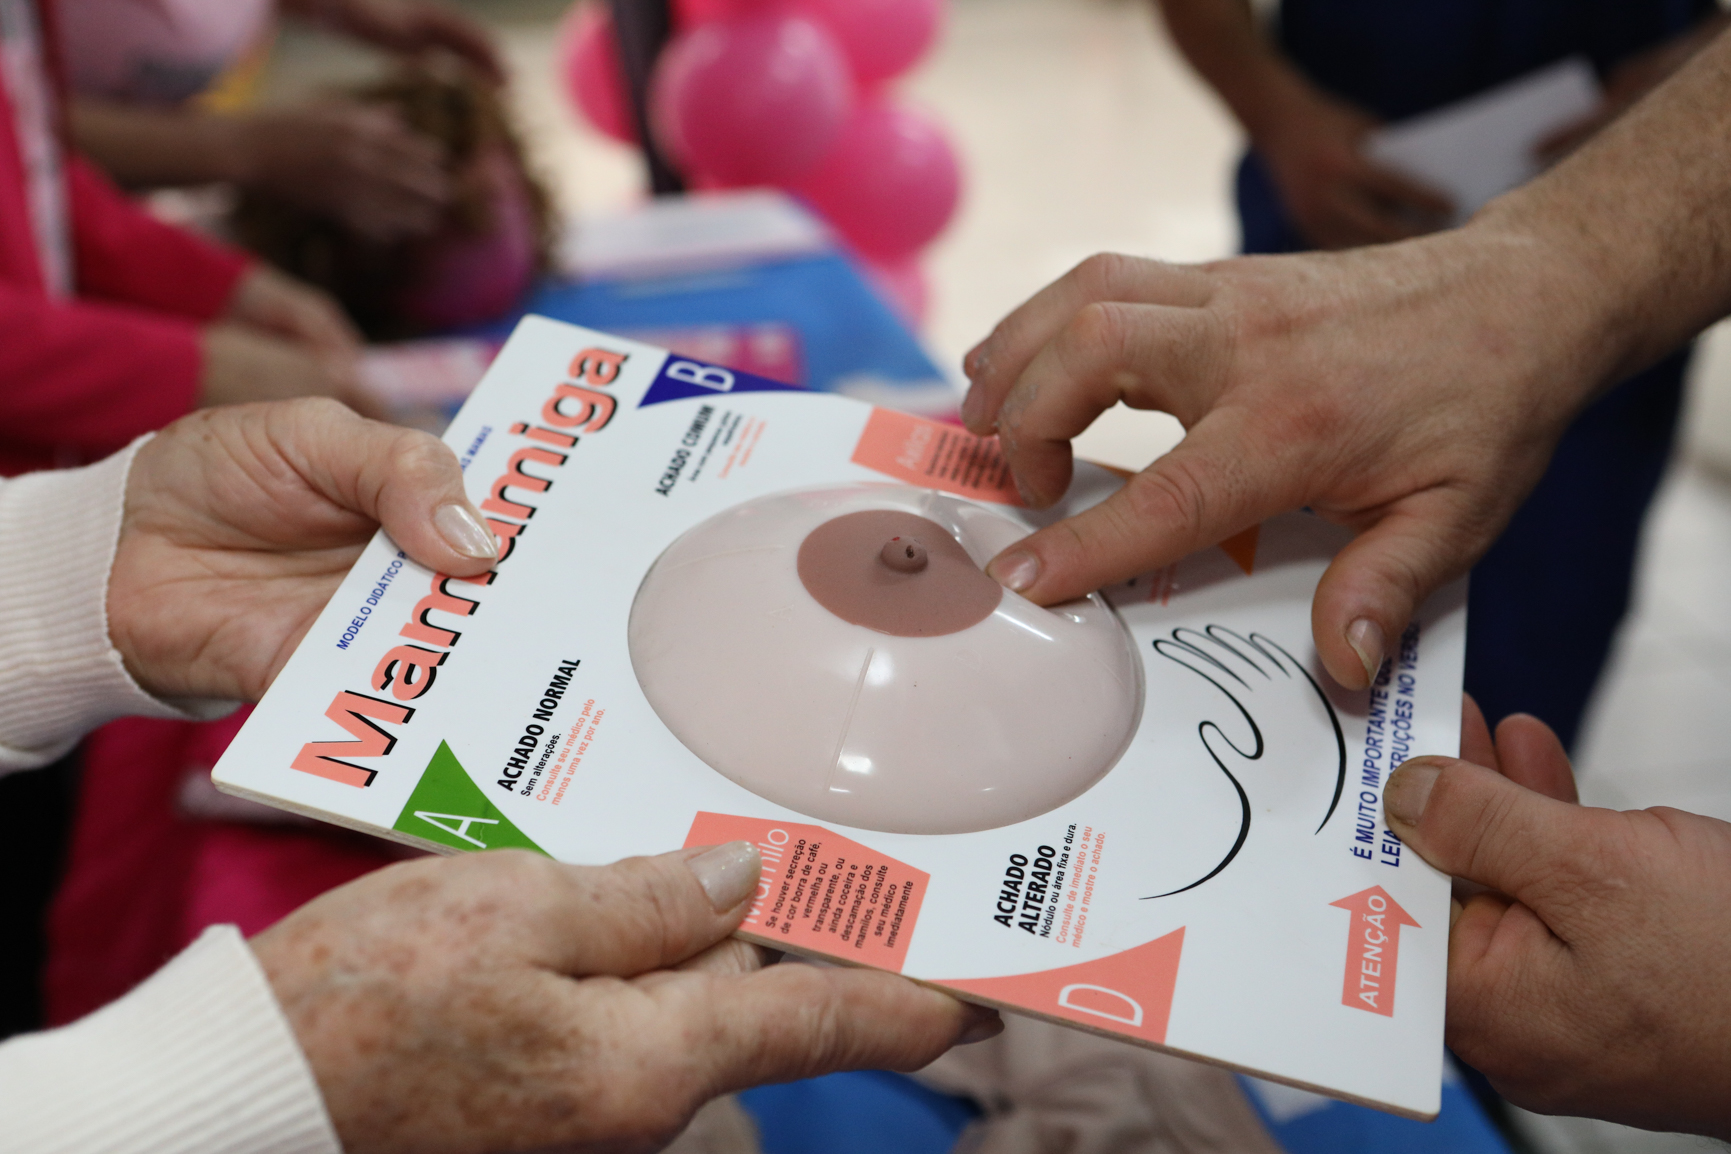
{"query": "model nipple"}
pixel 895 572
pixel 904 555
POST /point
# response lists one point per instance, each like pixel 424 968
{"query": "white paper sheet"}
pixel 1227 889
pixel 1482 147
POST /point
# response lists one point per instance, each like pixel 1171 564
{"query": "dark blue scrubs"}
pixel 1547 599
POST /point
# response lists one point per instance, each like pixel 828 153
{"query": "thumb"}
pixel 406 480
pixel 1371 588
pixel 647 913
pixel 1474 823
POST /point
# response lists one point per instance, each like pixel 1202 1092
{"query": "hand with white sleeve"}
pixel 501 1001
pixel 240 521
pixel 498 1001
pixel 491 1002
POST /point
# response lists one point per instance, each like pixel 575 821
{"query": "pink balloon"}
pixel 752 99
pixel 590 67
pixel 882 38
pixel 902 282
pixel 890 184
pixel 687 13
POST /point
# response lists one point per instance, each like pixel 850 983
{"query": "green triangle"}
pixel 449 808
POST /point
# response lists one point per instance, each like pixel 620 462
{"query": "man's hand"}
pixel 357 164
pixel 1411 392
pixel 240 522
pixel 501 1001
pixel 1337 196
pixel 1594 978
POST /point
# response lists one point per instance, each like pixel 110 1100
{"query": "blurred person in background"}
pixel 1308 89
pixel 115 324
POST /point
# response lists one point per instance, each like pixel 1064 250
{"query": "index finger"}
pixel 1206 489
pixel 412 164
pixel 994 364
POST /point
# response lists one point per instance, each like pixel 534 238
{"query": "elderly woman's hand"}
pixel 501 1001
pixel 240 521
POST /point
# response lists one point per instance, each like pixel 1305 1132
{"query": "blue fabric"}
pixel 875 1112
pixel 1342 1128
pixel 845 328
pixel 1546 601
pixel 1398 58
pixel 867 1112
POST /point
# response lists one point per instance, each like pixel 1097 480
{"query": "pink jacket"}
pixel 80 378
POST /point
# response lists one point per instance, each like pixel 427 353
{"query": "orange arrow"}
pixel 1372 949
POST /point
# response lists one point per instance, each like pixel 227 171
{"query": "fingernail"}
pixel 1455 912
pixel 989 1025
pixel 1365 637
pixel 727 873
pixel 971 405
pixel 1015 571
pixel 975 362
pixel 1408 789
pixel 463 531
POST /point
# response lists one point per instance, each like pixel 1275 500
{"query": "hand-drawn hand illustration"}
pixel 1285 745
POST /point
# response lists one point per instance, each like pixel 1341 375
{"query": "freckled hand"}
pixel 1289 751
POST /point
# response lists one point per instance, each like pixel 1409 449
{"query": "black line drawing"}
pixel 1231 662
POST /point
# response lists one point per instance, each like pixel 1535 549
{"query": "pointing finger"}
pixel 1197 495
pixel 1369 592
pixel 1476 744
pixel 1530 754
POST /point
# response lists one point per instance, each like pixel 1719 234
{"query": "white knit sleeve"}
pixel 197 1060
pixel 59 676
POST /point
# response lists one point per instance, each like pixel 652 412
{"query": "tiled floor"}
pixel 1081 131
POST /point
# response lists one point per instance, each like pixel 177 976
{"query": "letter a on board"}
pixel 449 808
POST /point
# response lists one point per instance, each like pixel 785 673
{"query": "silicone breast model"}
pixel 841 653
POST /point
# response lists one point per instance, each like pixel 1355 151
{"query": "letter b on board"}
pixel 704 376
